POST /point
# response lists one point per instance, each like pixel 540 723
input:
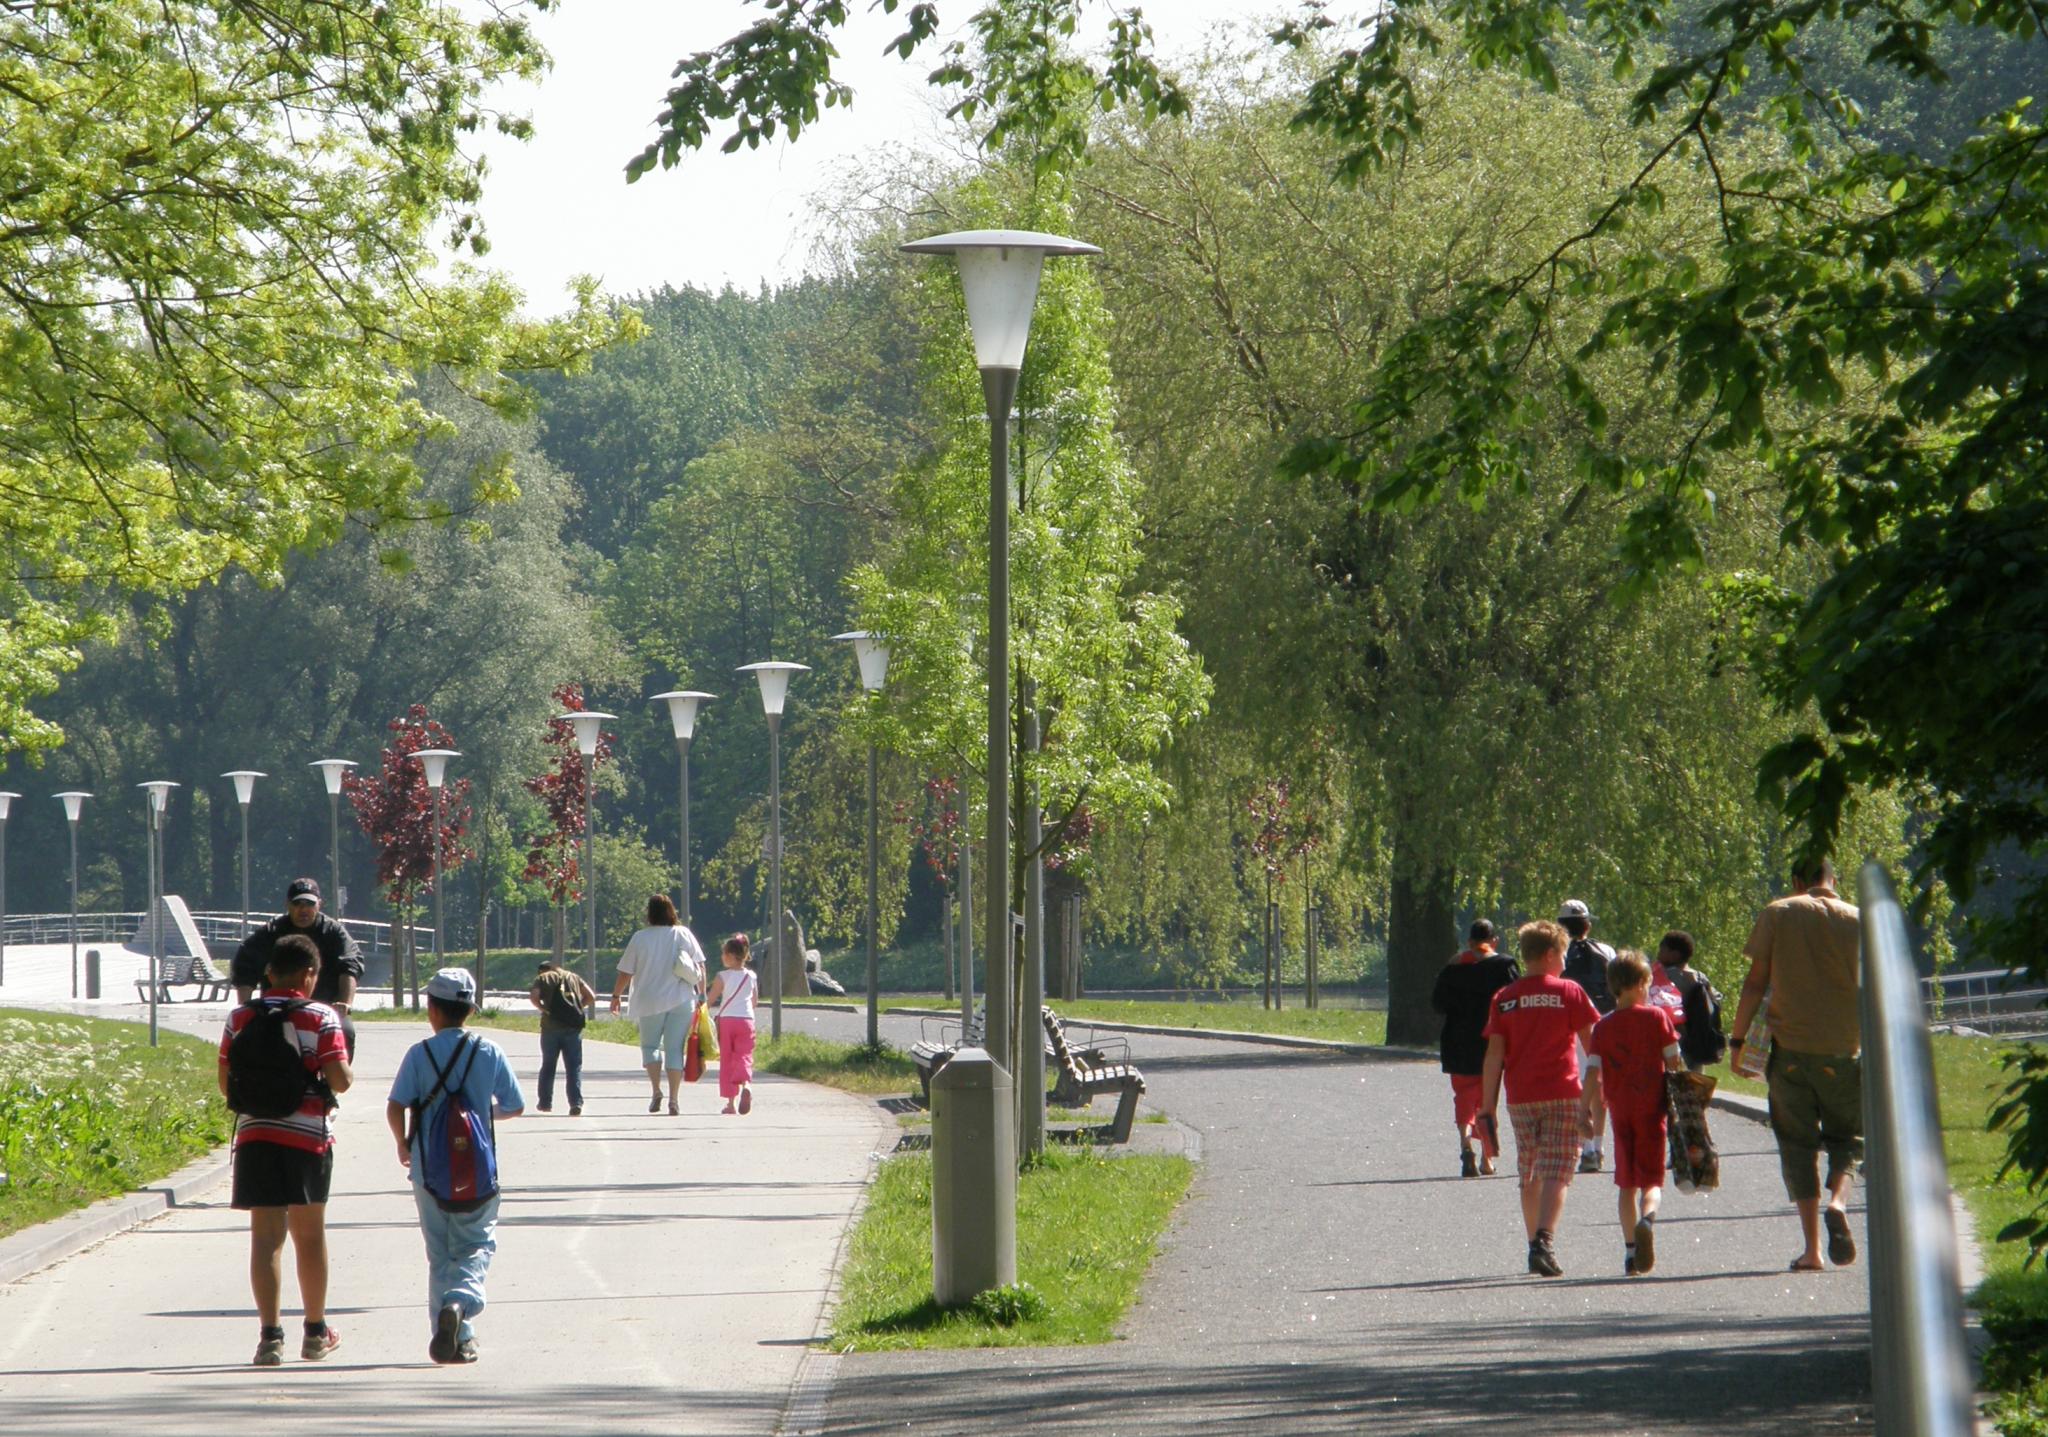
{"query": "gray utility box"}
pixel 974 1178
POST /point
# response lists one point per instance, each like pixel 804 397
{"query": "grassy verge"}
pixel 1087 1227
pixel 794 1055
pixel 1343 1025
pixel 89 1110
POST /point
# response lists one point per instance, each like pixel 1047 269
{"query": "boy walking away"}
pixel 1464 996
pixel 1585 963
pixel 1701 1041
pixel 562 997
pixel 1632 1048
pixel 449 1091
pixel 1533 1040
pixel 282 1060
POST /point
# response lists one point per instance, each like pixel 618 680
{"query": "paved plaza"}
pixel 1328 1273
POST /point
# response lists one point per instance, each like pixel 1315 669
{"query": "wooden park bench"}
pixel 1081 1075
pixel 195 973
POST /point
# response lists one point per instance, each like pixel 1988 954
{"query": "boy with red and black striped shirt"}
pixel 284 1166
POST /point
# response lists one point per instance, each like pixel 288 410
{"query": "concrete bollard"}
pixel 92 972
pixel 974 1178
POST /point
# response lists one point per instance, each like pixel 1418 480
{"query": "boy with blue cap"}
pixel 460 1235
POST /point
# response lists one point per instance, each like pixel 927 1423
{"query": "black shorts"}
pixel 273 1175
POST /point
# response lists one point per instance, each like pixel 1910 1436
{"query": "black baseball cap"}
pixel 302 888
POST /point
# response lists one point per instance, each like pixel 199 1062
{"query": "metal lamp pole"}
pixel 682 713
pixel 873 657
pixel 245 790
pixel 999 272
pixel 331 770
pixel 435 762
pixel 159 791
pixel 774 680
pixel 73 801
pixel 589 726
pixel 6 802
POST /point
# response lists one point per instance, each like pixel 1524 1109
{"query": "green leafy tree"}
pixel 217 278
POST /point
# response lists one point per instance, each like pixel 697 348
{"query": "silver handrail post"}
pixel 1919 1365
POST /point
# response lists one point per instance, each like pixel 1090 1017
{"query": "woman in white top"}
pixel 664 967
pixel 732 1004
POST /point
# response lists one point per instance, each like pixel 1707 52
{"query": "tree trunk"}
pixel 561 932
pixel 1422 931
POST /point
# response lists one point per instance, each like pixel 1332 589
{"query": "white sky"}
pixel 558 205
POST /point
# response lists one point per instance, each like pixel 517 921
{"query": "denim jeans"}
pixel 459 1248
pixel 566 1044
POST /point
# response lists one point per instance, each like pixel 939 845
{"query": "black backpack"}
pixel 267 1075
pixel 1702 1039
pixel 561 1006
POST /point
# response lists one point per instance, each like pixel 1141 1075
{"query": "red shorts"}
pixel 1546 1139
pixel 1639 1149
pixel 1465 1098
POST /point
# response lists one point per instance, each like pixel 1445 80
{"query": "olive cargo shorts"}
pixel 1816 1104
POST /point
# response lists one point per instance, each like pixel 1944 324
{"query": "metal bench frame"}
pixel 185 973
pixel 1080 1076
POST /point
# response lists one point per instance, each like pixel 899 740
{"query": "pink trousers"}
pixel 735 1055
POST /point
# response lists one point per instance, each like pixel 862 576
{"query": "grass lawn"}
pixel 1343 1025
pixel 1087 1226
pixel 89 1110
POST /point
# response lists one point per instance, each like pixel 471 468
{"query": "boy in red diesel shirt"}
pixel 1632 1049
pixel 1532 1041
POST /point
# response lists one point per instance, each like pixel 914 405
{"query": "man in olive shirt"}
pixel 1805 952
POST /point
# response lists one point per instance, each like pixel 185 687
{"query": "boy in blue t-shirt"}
pixel 459 1244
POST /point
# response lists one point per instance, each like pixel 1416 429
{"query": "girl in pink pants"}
pixel 731 997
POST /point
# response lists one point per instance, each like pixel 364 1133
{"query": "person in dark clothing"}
pixel 1585 963
pixel 341 962
pixel 1464 996
pixel 1700 1041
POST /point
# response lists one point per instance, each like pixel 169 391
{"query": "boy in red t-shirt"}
pixel 1632 1049
pixel 1533 1039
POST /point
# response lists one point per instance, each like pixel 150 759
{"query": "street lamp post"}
pixel 245 790
pixel 73 801
pixel 873 656
pixel 774 680
pixel 435 762
pixel 159 790
pixel 682 713
pixel 589 726
pixel 331 770
pixel 999 272
pixel 6 802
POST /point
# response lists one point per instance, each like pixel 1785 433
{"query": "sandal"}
pixel 654 1103
pixel 1841 1245
pixel 1799 1264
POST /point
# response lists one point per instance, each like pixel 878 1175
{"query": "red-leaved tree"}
pixel 396 810
pixel 553 858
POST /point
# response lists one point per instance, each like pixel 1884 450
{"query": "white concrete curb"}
pixel 33 1249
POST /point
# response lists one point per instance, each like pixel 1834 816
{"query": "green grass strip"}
pixel 88 1110
pixel 1087 1229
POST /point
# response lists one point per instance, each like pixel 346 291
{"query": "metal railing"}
pixel 224 929
pixel 1998 1002
pixel 1921 1375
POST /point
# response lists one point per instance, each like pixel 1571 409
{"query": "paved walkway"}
pixel 654 1275
pixel 1331 1273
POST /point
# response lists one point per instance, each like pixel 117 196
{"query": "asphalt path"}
pixel 654 1274
pixel 1330 1272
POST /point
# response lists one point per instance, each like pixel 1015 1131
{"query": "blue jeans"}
pixel 459 1248
pixel 566 1044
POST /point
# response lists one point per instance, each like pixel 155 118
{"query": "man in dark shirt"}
pixel 1585 963
pixel 1464 995
pixel 341 963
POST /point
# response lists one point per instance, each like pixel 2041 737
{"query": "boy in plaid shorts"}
pixel 1539 1026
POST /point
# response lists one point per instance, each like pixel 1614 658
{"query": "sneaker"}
pixel 577 1111
pixel 318 1344
pixel 1542 1261
pixel 1468 1165
pixel 543 1107
pixel 446 1346
pixel 1589 1160
pixel 1628 1262
pixel 1646 1245
pixel 467 1350
pixel 270 1347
